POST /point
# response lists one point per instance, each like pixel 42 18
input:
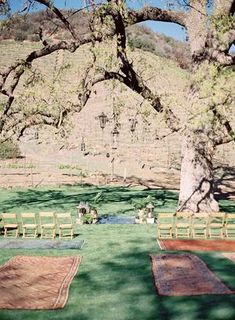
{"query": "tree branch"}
pixel 20 66
pixel 228 39
pixel 224 7
pixel 156 14
pixel 226 124
pixel 132 79
pixel 59 14
pixel 222 58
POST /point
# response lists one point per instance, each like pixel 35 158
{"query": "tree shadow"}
pixel 127 269
pixel 224 182
pixel 67 198
pixel 115 200
pixel 118 283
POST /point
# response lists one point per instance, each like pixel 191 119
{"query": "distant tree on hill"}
pixel 210 27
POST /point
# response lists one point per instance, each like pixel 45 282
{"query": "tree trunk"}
pixel 197 184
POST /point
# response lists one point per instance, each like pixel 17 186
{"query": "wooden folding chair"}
pixel 216 224
pixel 65 225
pixel 10 225
pixel 183 224
pixel 200 224
pixel 47 224
pixel 29 225
pixel 229 225
pixel 165 223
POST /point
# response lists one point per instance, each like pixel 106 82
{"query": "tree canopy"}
pixel 210 37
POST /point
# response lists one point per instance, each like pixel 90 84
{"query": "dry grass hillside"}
pixel 26 28
pixel 142 156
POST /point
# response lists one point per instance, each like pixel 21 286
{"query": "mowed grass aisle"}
pixel 114 281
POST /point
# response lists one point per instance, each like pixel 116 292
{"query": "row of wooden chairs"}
pixel 196 225
pixel 45 225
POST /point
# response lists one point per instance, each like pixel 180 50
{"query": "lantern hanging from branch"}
pixel 115 134
pixel 133 124
pixel 83 145
pixel 103 120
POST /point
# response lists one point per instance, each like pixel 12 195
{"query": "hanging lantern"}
pixel 103 120
pixel 115 134
pixel 83 145
pixel 133 124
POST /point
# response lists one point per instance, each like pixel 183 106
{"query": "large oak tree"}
pixel 210 27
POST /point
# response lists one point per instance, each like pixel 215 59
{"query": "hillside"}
pixel 141 155
pixel 26 28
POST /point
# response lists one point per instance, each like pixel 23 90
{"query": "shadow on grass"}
pixel 227 206
pixel 114 200
pixel 67 198
pixel 206 307
pixel 225 176
pixel 130 274
pixel 115 282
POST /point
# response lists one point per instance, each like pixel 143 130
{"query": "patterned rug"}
pixel 184 275
pixel 230 256
pixel 28 282
pixel 40 244
pixel 198 245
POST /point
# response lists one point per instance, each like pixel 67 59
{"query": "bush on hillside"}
pixel 33 37
pixel 141 43
pixel 20 35
pixel 9 149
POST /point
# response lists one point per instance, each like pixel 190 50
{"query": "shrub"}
pixel 33 38
pixel 141 43
pixel 20 35
pixel 9 150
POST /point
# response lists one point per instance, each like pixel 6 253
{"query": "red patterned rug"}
pixel 184 275
pixel 197 245
pixel 28 282
pixel 230 256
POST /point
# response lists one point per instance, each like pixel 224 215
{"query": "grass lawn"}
pixel 114 200
pixel 114 280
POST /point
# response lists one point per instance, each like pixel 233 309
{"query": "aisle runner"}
pixel 184 275
pixel 41 244
pixel 28 282
pixel 197 245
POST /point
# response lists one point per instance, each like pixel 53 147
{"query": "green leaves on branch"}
pixel 223 23
pixel 212 98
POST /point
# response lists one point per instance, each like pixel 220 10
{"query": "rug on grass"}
pixel 40 244
pixel 197 245
pixel 28 282
pixel 184 275
pixel 230 256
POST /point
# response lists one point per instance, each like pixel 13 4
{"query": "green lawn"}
pixel 114 280
pixel 114 200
